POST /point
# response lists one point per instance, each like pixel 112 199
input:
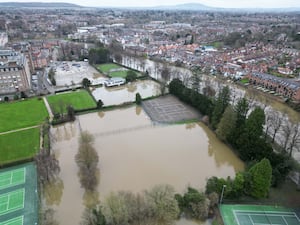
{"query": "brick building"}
pixel 286 87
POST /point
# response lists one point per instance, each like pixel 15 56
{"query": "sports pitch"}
pixel 18 195
pixel 258 215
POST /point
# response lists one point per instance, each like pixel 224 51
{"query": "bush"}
pixel 138 98
pixel 131 76
pixel 99 104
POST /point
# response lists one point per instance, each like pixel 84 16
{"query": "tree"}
pixel 294 140
pixel 165 77
pixel 221 103
pixel 194 203
pixel 195 81
pixel 241 109
pixel 138 98
pixel 118 58
pixel 260 179
pixel 131 76
pixel 47 166
pixel 250 144
pixel 87 161
pixel 93 216
pixel 98 55
pixel 164 206
pixel 237 186
pixel 227 124
pixel 99 104
pixel 276 123
pixel 287 130
pixel 71 112
pixel 115 209
pixel 47 217
pixel 86 83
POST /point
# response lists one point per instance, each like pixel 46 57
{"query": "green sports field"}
pixel 122 73
pixel 23 113
pixel 78 99
pixel 19 145
pixel 105 68
pixel 18 195
pixel 258 215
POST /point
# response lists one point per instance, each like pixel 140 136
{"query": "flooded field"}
pixel 127 92
pixel 135 155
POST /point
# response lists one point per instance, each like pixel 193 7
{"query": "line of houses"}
pixel 285 87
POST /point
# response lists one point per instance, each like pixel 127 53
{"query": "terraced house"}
pixel 14 72
pixel 285 87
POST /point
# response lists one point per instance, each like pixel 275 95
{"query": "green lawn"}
pixel 118 74
pixel 79 100
pixel 245 81
pixel 19 145
pixel 24 113
pixel 105 68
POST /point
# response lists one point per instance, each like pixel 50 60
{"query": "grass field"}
pixel 105 68
pixel 118 74
pixel 19 145
pixel 26 113
pixel 79 100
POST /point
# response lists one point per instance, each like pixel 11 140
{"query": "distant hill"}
pixel 38 5
pixel 187 6
pixel 201 7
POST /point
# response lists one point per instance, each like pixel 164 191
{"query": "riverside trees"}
pixel 87 161
pixel 237 127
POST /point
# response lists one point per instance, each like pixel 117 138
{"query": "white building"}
pixel 3 39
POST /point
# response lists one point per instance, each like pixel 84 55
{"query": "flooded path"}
pixel 135 155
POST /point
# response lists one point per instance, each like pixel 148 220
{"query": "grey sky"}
pixel 217 3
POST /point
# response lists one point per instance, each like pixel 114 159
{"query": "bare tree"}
pixel 276 123
pixel 47 217
pixel 87 161
pixel 165 77
pixel 294 139
pixel 287 130
pixel 47 166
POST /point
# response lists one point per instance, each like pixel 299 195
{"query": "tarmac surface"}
pixel 169 109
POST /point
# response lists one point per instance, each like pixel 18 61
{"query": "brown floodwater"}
pixel 134 155
pixel 126 93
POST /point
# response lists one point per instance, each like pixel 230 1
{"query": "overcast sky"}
pixel 215 3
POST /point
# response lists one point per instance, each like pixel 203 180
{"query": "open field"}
pixel 105 68
pixel 19 145
pixel 114 70
pixel 26 113
pixel 79 100
pixel 121 73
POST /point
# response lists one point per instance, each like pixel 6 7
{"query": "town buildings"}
pixel 14 72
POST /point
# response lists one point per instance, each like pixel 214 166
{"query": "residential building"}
pixel 285 87
pixel 14 72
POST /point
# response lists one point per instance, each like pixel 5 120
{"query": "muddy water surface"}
pixel 135 155
pixel 127 92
